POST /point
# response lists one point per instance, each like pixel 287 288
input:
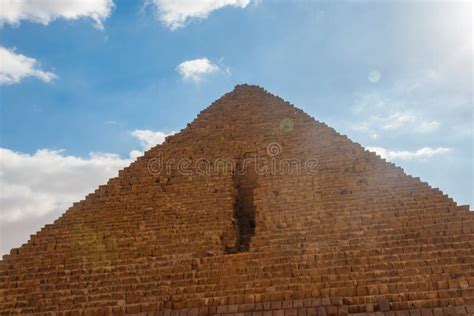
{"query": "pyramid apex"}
pixel 248 87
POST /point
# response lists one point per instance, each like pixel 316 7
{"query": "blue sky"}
pixel 110 79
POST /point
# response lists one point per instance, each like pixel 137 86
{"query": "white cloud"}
pixel 149 138
pixel 15 67
pixel 196 69
pixel 44 11
pixel 422 153
pixel 175 13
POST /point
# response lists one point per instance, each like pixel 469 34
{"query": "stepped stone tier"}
pixel 254 209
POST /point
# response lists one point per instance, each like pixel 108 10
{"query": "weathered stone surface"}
pixel 322 227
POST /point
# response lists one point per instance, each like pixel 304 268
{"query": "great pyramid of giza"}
pixel 255 208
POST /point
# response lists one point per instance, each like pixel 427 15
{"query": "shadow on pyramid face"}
pixel 244 213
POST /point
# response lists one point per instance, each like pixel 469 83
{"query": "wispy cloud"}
pixel 176 13
pixel 196 69
pixel 44 11
pixel 422 153
pixel 379 114
pixel 15 67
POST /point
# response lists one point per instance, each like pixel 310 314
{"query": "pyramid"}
pixel 255 208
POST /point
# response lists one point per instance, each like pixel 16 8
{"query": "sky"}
pixel 87 86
